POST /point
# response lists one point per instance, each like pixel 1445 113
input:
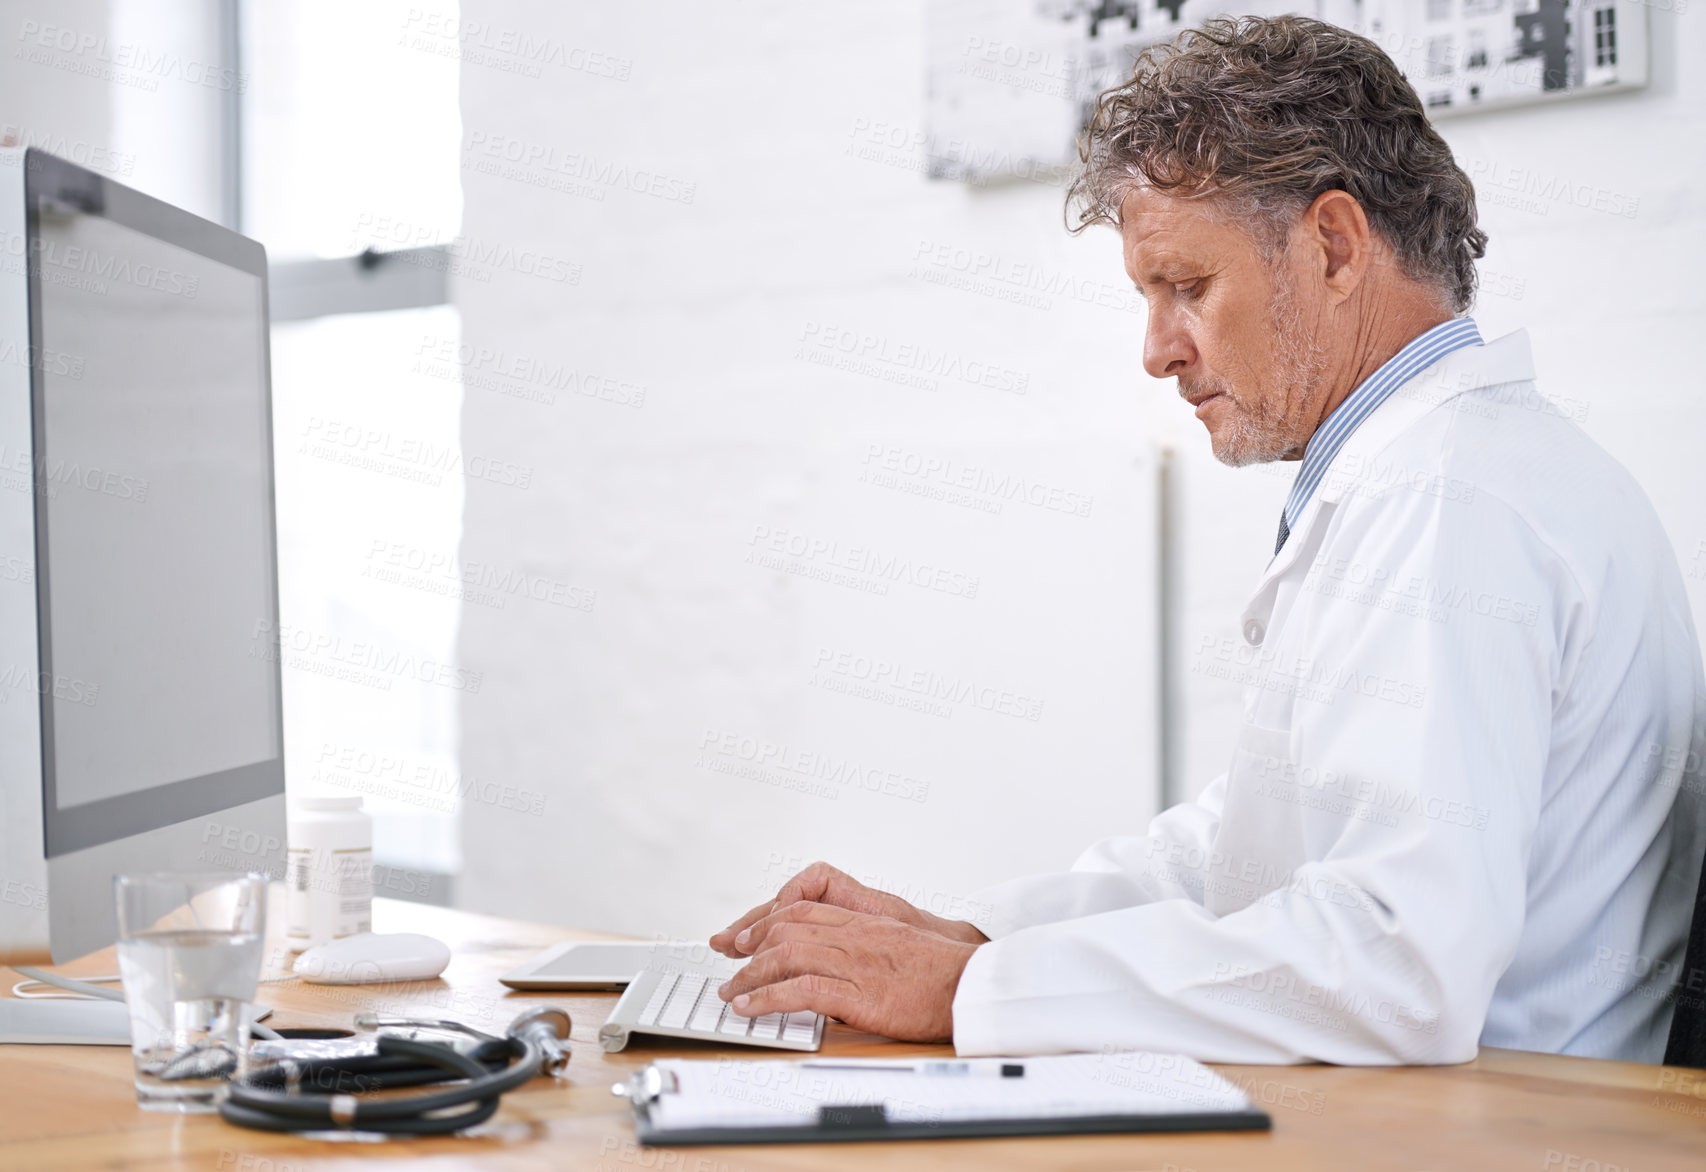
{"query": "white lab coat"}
pixel 1474 700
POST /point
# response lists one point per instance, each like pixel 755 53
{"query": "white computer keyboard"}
pixel 682 1003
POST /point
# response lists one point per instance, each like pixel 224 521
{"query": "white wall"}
pixel 802 216
pixel 804 222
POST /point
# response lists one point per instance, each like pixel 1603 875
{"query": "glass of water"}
pixel 189 953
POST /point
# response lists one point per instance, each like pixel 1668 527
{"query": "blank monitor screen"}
pixel 155 543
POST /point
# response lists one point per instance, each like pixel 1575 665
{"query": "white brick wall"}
pixel 731 311
pixel 804 228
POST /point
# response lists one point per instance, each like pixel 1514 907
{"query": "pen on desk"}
pixel 933 1068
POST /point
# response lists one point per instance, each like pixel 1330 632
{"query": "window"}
pixel 1439 10
pixel 169 111
pixel 322 128
pixel 1439 56
pixel 351 140
pixel 1604 36
pixel 352 136
pixel 1475 56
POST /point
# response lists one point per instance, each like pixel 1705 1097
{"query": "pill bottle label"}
pixel 328 895
pixel 354 892
pixel 298 868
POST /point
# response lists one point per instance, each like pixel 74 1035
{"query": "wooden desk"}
pixel 72 1107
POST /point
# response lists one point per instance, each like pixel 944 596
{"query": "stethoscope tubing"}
pixel 416 1114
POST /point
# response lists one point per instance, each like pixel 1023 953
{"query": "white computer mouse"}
pixel 371 956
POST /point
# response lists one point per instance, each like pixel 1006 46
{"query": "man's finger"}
pixel 794 959
pixel 724 941
pixel 827 936
pixel 830 996
pixel 825 914
pixel 810 884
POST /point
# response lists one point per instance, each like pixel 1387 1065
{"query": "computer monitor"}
pixel 141 725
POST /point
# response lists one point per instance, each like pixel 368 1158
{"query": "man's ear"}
pixel 1337 229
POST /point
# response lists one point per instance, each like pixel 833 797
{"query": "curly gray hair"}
pixel 1261 115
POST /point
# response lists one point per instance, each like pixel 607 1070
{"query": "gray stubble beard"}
pixel 1260 432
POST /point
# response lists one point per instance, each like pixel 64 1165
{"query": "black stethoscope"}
pixel 320 1094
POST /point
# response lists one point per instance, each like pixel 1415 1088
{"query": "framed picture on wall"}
pixel 1465 55
pixel 1011 83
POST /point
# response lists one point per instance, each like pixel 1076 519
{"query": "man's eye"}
pixel 1190 290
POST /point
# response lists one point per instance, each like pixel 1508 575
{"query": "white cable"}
pixel 27 990
pixel 86 988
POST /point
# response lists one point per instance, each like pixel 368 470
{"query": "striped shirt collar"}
pixel 1417 355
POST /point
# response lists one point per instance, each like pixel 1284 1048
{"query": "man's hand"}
pixel 822 883
pixel 872 971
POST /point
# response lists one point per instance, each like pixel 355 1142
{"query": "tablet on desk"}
pixel 593 965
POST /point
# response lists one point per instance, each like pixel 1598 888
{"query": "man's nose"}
pixel 1167 349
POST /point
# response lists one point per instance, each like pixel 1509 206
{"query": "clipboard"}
pixel 722 1101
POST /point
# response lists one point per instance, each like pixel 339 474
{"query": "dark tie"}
pixel 1284 532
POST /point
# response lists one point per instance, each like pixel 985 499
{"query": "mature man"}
pixel 1463 805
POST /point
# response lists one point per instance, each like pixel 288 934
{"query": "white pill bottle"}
pixel 328 872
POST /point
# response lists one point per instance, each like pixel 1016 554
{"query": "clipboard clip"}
pixel 644 1086
pixel 857 1116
